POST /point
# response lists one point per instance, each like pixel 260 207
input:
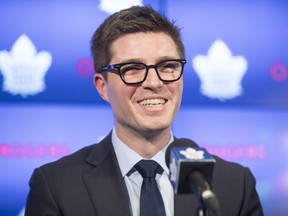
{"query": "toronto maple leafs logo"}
pixel 112 6
pixel 23 68
pixel 220 72
pixel 191 153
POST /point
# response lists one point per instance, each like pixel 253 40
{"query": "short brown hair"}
pixel 132 20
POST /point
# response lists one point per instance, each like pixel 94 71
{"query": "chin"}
pixel 157 127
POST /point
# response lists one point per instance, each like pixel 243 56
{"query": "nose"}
pixel 152 80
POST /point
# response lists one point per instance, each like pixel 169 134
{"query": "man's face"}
pixel 146 107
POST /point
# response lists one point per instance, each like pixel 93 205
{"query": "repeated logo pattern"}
pixel 23 68
pixel 220 72
pixel 112 6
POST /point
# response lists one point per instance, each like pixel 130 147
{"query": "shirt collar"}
pixel 127 157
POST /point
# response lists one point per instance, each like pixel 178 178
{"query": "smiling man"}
pixel 143 112
pixel 139 60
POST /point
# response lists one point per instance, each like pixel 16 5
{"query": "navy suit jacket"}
pixel 89 183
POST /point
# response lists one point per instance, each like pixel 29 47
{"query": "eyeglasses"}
pixel 136 72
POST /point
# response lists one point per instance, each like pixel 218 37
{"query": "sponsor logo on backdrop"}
pixel 112 6
pixel 220 72
pixel 24 69
pixel 33 150
pixel 85 67
pixel 240 152
pixel 279 72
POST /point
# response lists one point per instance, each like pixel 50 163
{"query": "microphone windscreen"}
pixel 178 143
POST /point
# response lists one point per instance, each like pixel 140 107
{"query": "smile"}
pixel 152 102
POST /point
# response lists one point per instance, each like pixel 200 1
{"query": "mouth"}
pixel 152 102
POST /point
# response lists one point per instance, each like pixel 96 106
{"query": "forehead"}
pixel 143 46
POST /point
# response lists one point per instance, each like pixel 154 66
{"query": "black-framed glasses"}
pixel 169 70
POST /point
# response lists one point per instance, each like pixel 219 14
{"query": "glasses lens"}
pixel 170 70
pixel 133 72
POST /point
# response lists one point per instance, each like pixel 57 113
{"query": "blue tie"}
pixel 151 203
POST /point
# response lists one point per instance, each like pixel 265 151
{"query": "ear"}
pixel 101 85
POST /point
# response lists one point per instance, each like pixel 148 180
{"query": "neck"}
pixel 145 143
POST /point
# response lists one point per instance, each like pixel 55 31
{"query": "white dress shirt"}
pixel 127 158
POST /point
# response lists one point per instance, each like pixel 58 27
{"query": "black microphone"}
pixel 191 170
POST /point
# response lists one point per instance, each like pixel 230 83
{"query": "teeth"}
pixel 152 102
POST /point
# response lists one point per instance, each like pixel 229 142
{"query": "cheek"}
pixel 113 89
pixel 177 89
pixel 119 95
pixel 177 92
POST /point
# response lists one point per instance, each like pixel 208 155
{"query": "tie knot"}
pixel 148 168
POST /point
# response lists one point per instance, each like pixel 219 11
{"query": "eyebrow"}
pixel 133 60
pixel 141 60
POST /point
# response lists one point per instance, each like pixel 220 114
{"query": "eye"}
pixel 132 68
pixel 168 66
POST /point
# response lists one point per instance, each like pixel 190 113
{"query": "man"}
pixel 138 58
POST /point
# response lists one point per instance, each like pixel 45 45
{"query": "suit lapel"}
pixel 104 182
pixel 107 189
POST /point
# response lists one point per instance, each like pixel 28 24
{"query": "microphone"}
pixel 191 170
